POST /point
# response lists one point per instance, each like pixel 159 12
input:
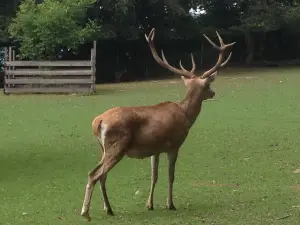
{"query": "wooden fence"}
pixel 49 76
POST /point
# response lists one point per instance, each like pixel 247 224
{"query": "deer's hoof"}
pixel 109 212
pixel 172 207
pixel 86 216
pixel 150 207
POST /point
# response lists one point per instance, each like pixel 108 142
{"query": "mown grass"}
pixel 236 166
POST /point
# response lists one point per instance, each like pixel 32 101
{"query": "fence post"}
pixel 9 59
pixel 13 59
pixel 93 67
pixel 4 70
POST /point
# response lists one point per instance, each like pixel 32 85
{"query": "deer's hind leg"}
pixel 112 155
pixel 90 185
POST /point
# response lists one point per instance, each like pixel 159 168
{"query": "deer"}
pixel 140 132
pixel 119 74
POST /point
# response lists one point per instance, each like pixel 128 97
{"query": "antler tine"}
pixel 193 65
pixel 220 39
pixel 163 62
pixel 211 42
pixel 221 42
pixel 180 64
pixel 150 35
pixel 164 58
pixel 222 49
pixel 231 44
pixel 227 60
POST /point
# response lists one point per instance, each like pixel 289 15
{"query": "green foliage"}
pixel 128 20
pixel 118 18
pixel 4 21
pixel 262 15
pixel 292 16
pixel 7 9
pixel 44 29
pixel 252 15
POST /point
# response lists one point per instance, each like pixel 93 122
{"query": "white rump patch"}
pixel 103 129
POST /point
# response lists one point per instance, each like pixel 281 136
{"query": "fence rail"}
pixel 48 81
pixel 49 76
pixel 49 63
pixel 37 72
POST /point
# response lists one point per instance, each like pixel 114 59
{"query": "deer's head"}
pixel 197 85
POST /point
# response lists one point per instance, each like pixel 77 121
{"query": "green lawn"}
pixel 235 168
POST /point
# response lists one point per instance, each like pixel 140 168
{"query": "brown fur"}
pixel 148 131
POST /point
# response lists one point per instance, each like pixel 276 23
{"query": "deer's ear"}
pixel 211 78
pixel 185 80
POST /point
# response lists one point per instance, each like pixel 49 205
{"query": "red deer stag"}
pixel 144 131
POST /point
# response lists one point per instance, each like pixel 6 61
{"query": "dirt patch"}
pixel 173 82
pixel 214 184
pixel 243 77
pixel 296 187
pixel 297 171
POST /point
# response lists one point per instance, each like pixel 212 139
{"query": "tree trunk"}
pixel 250 46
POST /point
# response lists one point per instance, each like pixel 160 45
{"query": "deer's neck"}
pixel 191 105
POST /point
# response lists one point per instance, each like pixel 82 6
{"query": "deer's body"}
pixel 147 131
pixel 132 123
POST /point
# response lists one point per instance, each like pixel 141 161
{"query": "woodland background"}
pixel 267 32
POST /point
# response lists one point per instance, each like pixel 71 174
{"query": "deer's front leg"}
pixel 172 157
pixel 154 167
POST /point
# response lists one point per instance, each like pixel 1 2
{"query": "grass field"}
pixel 235 168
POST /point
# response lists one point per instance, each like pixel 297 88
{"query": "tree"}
pixel 249 17
pixel 263 16
pixel 129 20
pixel 44 29
pixel 292 15
pixel 7 10
pixel 4 21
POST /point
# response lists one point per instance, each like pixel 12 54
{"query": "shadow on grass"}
pixel 195 211
pixel 39 164
pixel 99 91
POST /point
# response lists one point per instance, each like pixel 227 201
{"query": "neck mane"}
pixel 191 104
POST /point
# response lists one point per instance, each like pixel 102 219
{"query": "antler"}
pixel 183 72
pixel 164 63
pixel 222 50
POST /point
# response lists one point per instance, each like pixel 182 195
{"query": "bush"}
pixel 44 29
